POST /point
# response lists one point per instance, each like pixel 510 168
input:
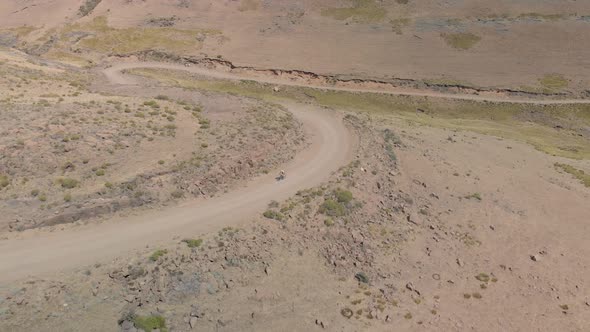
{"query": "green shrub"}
pixel 35 192
pixel 343 196
pixel 329 222
pixel 42 197
pixel 152 104
pixel 193 243
pixel 100 172
pixel 332 208
pixel 108 185
pixel 150 323
pixel 162 97
pixel 161 162
pixel 68 183
pixel 157 254
pixel 68 197
pixel 271 214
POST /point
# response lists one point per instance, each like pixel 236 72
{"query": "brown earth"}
pixel 435 180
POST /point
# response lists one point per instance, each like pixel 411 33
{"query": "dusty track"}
pixel 114 75
pixel 39 253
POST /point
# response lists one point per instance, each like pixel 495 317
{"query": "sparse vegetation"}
pixel 68 183
pixel 343 196
pixel 150 323
pixel 157 254
pixel 362 11
pixel 476 196
pixel 107 39
pixel 272 214
pixel 554 82
pixel 193 243
pixel 505 120
pixel 332 208
pixel 4 182
pixel 577 173
pixel 461 40
pixel 178 193
pixel 329 222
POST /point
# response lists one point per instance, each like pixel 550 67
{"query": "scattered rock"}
pixel 346 312
pixel 320 323
pixel 411 287
pixel 362 277
pixel 460 262
pixel 193 322
pixel 413 218
pixel 127 325
pixel 535 258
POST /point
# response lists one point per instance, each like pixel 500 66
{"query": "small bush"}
pixel 332 208
pixel 150 323
pixel 68 197
pixel 152 104
pixel 161 162
pixel 108 185
pixel 329 222
pixel 100 172
pixel 42 197
pixel 35 192
pixel 475 196
pixel 68 183
pixel 343 196
pixel 177 194
pixel 193 243
pixel 4 182
pixel 483 277
pixel 162 97
pixel 157 254
pixel 271 214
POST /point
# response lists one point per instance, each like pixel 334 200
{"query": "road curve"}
pixel 39 253
pixel 115 76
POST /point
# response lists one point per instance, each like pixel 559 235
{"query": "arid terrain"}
pixel 437 160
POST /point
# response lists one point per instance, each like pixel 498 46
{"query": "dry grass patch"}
pixel 111 40
pixel 554 81
pixel 364 11
pixel 577 173
pixel 461 40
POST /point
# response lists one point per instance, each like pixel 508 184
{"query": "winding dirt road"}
pixel 114 74
pixel 38 253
